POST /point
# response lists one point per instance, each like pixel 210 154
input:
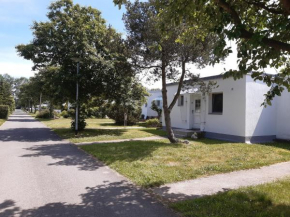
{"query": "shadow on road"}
pixel 106 200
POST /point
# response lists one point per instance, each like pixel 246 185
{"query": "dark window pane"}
pixel 217 103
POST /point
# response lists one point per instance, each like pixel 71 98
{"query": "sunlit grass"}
pixel 153 163
pixel 99 130
pixel 267 200
pixel 2 121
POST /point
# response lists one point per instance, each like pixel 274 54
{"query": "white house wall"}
pixel 179 113
pixel 231 123
pixel 260 121
pixel 283 116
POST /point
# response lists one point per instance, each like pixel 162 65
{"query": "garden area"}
pixel 154 163
pixel 267 200
pixel 100 130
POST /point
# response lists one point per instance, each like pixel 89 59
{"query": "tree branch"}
pixel 277 45
pixel 263 5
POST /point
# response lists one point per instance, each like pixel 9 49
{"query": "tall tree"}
pixel 72 34
pixel 160 49
pixel 261 29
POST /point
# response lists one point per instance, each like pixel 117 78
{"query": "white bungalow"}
pixel 232 111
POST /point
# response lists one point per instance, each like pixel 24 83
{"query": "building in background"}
pixel 147 112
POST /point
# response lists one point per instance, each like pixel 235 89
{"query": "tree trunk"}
pixel 40 102
pixel 166 110
pixel 125 117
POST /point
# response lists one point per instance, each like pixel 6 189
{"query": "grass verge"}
pixel 99 130
pixel 265 200
pixel 2 121
pixel 153 163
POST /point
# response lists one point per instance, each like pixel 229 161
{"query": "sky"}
pixel 16 17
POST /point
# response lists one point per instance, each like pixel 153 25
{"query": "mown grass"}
pixel 267 200
pixel 153 163
pixel 99 130
pixel 2 121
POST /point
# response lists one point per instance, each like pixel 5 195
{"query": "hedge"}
pixel 4 111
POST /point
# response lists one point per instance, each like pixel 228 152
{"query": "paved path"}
pixel 222 182
pixel 151 138
pixel 42 175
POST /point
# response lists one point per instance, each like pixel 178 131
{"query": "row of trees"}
pixel 75 34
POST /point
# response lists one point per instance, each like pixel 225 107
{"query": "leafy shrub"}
pixel 45 114
pixel 116 112
pixel 82 124
pixel 153 123
pixel 4 111
pixel 56 114
pixel 72 113
pixel 64 114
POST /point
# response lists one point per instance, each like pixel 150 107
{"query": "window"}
pixel 158 102
pixel 197 105
pixel 145 104
pixel 217 103
pixel 180 100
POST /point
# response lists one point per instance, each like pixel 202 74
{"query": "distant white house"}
pixel 232 111
pixel 154 95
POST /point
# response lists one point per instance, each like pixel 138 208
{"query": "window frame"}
pixel 213 109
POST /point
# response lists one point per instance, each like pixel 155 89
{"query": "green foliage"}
pixel 128 102
pixel 6 93
pixel 154 107
pixel 260 29
pixel 116 112
pixel 72 113
pixel 153 123
pixel 81 123
pixel 72 34
pixel 64 114
pixel 45 114
pixel 4 111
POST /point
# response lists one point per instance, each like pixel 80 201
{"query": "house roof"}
pixel 203 79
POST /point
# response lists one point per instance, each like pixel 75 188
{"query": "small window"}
pixel 145 104
pixel 180 100
pixel 217 103
pixel 197 105
pixel 158 102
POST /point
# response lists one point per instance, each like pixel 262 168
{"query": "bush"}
pixel 72 113
pixel 64 114
pixel 116 112
pixel 4 111
pixel 153 123
pixel 45 114
pixel 56 114
pixel 82 124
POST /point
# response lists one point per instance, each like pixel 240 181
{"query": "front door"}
pixel 196 112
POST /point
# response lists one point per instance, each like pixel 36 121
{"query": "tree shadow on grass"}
pixel 248 203
pixel 87 133
pixel 126 151
pixel 106 200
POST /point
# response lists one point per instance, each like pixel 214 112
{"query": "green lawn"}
pixel 153 163
pixel 99 130
pixel 268 200
pixel 2 121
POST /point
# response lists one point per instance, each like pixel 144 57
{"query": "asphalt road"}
pixel 41 175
